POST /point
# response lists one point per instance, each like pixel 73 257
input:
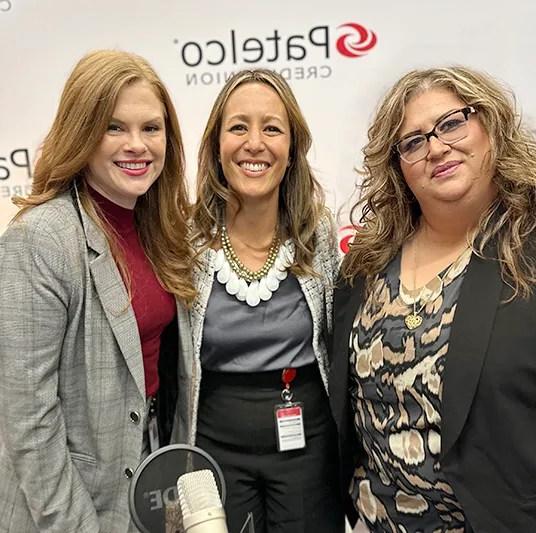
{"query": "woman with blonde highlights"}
pixel 433 379
pixel 267 258
pixel 95 274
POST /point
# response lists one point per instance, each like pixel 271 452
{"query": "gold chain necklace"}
pixel 242 270
pixel 414 319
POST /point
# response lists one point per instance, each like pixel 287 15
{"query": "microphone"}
pixel 200 504
pixel 153 496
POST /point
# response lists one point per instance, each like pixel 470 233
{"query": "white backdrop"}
pixel 41 41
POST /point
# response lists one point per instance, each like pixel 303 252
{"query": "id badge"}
pixel 289 426
pixel 152 427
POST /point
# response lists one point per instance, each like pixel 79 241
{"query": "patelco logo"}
pixel 356 43
pixel 301 54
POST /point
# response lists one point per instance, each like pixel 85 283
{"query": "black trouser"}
pixel 287 492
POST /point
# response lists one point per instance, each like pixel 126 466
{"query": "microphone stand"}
pixel 174 517
pixel 249 526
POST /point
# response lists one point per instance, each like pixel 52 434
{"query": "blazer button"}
pixel 135 417
pixel 129 472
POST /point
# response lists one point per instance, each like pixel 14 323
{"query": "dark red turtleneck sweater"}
pixel 153 306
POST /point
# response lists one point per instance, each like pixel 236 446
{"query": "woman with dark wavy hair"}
pixel 434 373
pixel 267 259
pixel 95 273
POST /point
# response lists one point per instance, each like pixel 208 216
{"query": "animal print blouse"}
pixel 396 389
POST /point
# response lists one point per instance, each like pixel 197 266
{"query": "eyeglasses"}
pixel 449 129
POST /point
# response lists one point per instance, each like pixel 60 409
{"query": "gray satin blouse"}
pixel 274 335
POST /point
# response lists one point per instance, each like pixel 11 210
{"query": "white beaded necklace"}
pixel 262 289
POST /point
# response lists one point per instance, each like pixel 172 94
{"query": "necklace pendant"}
pixel 413 320
pixel 233 285
pixel 242 290
pixel 252 294
pixel 264 292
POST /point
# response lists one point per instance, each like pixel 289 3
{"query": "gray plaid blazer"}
pixel 71 374
pixel 318 292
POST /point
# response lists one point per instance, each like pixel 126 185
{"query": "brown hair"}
pixel 301 199
pixel 390 211
pixel 86 106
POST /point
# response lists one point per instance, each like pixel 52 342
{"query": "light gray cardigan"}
pixel 318 292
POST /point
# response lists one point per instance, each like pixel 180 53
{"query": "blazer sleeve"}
pixel 34 317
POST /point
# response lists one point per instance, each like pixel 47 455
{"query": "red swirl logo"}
pixel 356 43
pixel 346 236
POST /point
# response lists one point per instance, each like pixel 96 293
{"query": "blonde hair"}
pixel 390 212
pixel 301 199
pixel 85 109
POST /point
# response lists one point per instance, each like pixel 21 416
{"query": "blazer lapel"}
pixel 346 303
pixel 114 299
pixel 471 330
pixel 314 296
pixel 115 302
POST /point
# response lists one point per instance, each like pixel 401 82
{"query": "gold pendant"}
pixel 413 320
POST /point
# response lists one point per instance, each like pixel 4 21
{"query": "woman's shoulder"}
pixel 326 235
pixel 203 266
pixel 325 232
pixel 45 238
pixel 326 223
pixel 52 222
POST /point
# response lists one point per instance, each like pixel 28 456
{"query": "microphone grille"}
pixel 197 491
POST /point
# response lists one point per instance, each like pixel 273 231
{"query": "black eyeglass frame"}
pixel 467 111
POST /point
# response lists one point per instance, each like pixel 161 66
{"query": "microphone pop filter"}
pixel 154 484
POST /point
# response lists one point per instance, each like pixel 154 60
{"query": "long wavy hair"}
pixel 301 199
pixel 85 109
pixel 390 212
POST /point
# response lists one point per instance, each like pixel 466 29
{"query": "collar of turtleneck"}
pixel 120 218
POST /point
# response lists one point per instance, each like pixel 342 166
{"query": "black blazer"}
pixel 488 414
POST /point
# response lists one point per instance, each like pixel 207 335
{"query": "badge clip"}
pixel 290 432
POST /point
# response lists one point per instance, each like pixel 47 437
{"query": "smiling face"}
pixel 254 142
pixel 131 155
pixel 459 172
